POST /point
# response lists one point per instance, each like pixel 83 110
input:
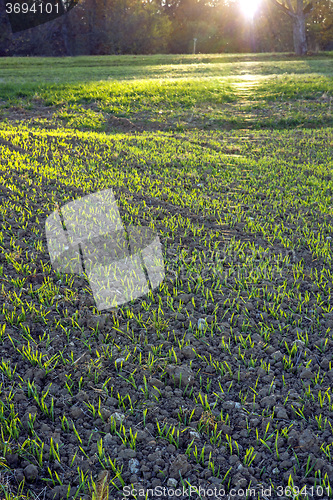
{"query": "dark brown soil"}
pixel 135 372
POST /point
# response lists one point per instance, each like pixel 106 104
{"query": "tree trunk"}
pixel 5 31
pixel 298 13
pixel 300 43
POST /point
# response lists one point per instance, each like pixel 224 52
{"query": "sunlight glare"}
pixel 249 7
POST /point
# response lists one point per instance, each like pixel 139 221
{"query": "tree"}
pixel 273 29
pixel 321 26
pixel 299 14
pixel 29 20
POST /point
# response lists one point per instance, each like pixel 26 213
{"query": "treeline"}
pixel 98 27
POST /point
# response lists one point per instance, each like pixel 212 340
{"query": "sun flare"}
pixel 249 7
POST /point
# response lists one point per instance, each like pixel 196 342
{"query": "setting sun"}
pixel 249 7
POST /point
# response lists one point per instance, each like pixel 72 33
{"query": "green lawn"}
pixel 221 90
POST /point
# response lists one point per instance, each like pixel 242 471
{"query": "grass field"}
pixel 220 379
